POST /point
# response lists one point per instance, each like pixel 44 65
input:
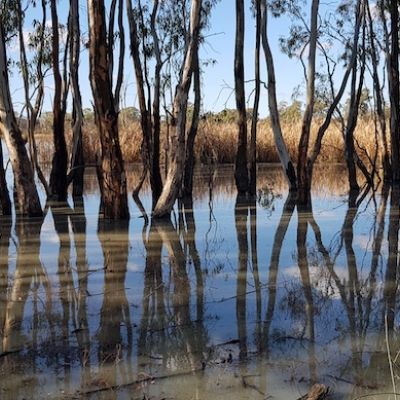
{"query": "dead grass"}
pixel 217 141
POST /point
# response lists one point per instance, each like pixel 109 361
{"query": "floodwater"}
pixel 228 300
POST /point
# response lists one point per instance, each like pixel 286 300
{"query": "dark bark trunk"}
pixel 303 175
pixel 190 157
pixel 77 159
pixel 114 194
pixel 241 173
pixel 58 175
pixel 150 129
pixel 5 201
pixel 394 93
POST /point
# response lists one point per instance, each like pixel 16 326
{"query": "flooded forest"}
pixel 155 245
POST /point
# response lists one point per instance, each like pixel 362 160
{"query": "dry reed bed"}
pixel 217 141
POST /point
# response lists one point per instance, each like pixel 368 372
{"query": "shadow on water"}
pixel 233 297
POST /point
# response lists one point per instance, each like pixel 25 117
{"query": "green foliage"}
pixel 290 112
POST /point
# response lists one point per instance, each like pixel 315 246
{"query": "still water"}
pixel 231 299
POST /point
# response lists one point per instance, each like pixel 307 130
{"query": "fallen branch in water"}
pixel 254 387
pixel 151 379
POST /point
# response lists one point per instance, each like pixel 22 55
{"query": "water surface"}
pixel 232 298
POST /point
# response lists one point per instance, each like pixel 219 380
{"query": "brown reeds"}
pixel 216 141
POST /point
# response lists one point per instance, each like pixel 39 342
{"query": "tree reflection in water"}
pixel 297 296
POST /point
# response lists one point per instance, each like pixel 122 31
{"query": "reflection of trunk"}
pixel 28 266
pixel 353 283
pixel 280 144
pixel 241 173
pixel 115 308
pixel 78 224
pixel 279 237
pixel 5 234
pixel 153 294
pixel 5 202
pixel 112 179
pixel 376 254
pixel 193 337
pixel 27 197
pixel 390 288
pixel 58 175
pixel 241 213
pixel 254 264
pixel 302 259
pixel 194 255
pixel 67 292
pixel 176 157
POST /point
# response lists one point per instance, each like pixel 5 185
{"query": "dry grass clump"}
pixel 217 141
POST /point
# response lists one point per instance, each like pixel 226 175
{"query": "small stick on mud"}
pixel 317 392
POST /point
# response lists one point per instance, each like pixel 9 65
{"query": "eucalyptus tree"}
pixel 394 82
pixel 257 92
pixel 308 37
pixel 26 196
pixel 58 175
pixel 77 167
pixel 150 112
pixel 112 178
pixel 173 181
pixel 241 172
pixel 281 147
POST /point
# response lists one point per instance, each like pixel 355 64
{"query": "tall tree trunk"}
pixel 254 120
pixel 241 173
pixel 283 153
pixel 173 182
pixel 150 129
pixel 77 159
pixel 380 101
pixel 113 179
pixel 155 173
pixel 304 180
pixel 33 111
pixel 27 199
pixel 394 91
pixel 5 201
pixel 190 158
pixel 58 175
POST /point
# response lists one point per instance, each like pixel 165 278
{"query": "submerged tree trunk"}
pixel 27 199
pixel 173 182
pixel 113 179
pixel 58 175
pixel 284 157
pixel 77 161
pixel 241 173
pixel 254 120
pixel 191 137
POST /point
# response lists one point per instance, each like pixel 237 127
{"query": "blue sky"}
pixel 216 79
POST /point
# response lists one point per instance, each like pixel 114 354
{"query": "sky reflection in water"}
pixel 230 298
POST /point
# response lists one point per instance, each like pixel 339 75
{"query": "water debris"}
pixel 317 392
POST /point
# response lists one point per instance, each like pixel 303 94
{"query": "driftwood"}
pixel 317 392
